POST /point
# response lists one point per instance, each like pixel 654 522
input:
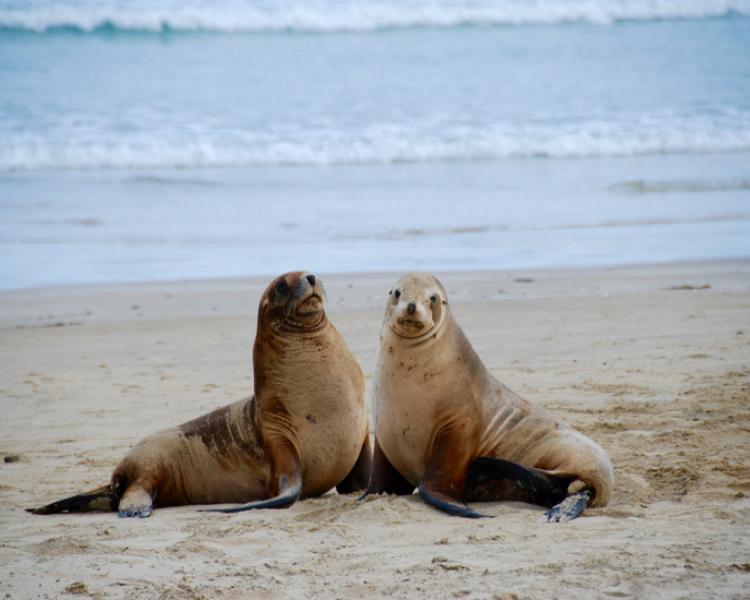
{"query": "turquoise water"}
pixel 164 141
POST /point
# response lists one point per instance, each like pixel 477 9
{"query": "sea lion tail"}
pixel 102 499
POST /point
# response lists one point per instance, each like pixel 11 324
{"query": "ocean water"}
pixel 144 140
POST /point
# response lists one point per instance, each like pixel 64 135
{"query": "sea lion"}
pixel 445 424
pixel 303 432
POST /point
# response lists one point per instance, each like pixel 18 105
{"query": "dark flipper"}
pixel 358 477
pixel 102 499
pixel 448 504
pixel 569 508
pixel 286 486
pixel 286 498
pixel 384 477
pixel 536 486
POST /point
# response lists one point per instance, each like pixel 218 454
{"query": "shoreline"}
pixel 20 307
pixel 657 374
pixel 253 277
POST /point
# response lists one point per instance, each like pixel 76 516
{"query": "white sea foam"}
pixel 83 148
pixel 342 15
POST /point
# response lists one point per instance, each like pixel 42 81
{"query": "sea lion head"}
pixel 417 304
pixel 294 302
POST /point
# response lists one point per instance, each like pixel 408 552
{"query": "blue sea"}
pixel 179 139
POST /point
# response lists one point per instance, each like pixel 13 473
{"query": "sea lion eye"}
pixel 282 287
pixel 397 294
pixel 433 298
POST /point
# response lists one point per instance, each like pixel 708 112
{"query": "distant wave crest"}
pixel 322 16
pixel 82 149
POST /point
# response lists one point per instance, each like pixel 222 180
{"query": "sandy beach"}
pixel 653 362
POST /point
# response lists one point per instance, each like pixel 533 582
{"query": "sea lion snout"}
pixel 310 294
pixel 303 285
pixel 411 318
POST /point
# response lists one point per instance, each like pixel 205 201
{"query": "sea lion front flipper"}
pixel 384 478
pixel 358 478
pixel 288 496
pixel 442 485
pixel 284 489
pixel 568 509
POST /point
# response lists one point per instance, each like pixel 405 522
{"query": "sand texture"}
pixel 652 362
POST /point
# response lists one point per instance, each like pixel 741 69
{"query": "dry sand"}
pixel 660 377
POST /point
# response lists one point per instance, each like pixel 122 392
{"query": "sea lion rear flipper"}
pixel 384 478
pixel 569 508
pixel 358 477
pixel 284 490
pixel 538 486
pixel 101 499
pixel 138 499
pixel 442 485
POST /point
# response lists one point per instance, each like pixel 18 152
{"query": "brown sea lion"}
pixel 444 423
pixel 303 432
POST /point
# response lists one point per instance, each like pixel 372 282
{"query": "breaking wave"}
pixel 83 149
pixel 323 16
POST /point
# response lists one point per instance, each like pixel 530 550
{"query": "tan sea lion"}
pixel 303 432
pixel 444 423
